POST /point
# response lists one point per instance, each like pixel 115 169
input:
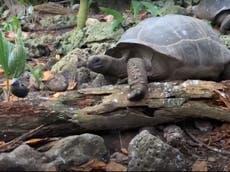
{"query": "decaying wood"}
pixel 107 108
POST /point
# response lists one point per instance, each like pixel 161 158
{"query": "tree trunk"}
pixel 107 108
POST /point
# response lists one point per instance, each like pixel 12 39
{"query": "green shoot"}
pixel 137 5
pixel 118 17
pixel 11 25
pixel 36 72
pixel 153 9
pixel 12 58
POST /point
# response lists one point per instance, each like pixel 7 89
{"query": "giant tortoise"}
pixel 172 47
pixel 218 11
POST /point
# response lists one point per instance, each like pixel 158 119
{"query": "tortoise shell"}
pixel 210 9
pixel 184 38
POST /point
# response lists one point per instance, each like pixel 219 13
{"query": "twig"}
pixel 19 140
pixel 205 145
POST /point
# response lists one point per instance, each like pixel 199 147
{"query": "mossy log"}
pixel 107 108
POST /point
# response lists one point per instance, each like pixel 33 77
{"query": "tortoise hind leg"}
pixel 225 24
pixel 137 79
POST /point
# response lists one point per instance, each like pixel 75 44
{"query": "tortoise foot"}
pixel 136 94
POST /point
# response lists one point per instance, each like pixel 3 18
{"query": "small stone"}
pixel 57 83
pixel 203 125
pixel 211 159
pixel 174 135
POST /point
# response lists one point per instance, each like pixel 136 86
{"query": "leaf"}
pixel 153 9
pixel 17 58
pixel 118 17
pixel 200 165
pixel 36 72
pixel 46 75
pixel 92 165
pixel 113 166
pixel 135 7
pixel 5 48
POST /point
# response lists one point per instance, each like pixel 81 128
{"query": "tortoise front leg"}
pixel 137 79
pixel 225 24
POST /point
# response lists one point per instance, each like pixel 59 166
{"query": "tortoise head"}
pixel 107 65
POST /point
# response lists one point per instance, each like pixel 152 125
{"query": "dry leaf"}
pixel 10 36
pixel 56 95
pixel 57 57
pixel 72 85
pixel 90 165
pixel 34 141
pixel 109 18
pixel 85 102
pixel 2 71
pixel 113 166
pixel 227 167
pixel 2 143
pixel 200 166
pixel 124 151
pixel 46 75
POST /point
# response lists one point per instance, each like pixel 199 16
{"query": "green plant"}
pixel 136 6
pixel 12 58
pixel 11 25
pixel 118 17
pixel 36 72
pixel 82 14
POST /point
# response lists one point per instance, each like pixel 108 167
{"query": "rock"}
pixel 38 46
pixel 76 150
pixel 73 67
pixel 91 21
pixel 75 59
pixel 106 33
pixel 99 81
pixel 56 83
pixel 24 158
pixel 119 157
pixel 173 9
pixel 88 37
pixel 55 20
pixel 149 153
pixel 83 77
pixel 174 135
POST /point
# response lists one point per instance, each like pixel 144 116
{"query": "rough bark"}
pixel 106 108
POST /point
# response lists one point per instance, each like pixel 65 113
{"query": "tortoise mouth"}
pixel 95 63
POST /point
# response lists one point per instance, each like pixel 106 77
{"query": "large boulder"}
pixel 25 158
pixel 76 150
pixel 148 153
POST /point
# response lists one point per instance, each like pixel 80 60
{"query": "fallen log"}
pixel 107 108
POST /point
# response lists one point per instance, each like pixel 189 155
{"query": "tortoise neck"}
pixel 118 67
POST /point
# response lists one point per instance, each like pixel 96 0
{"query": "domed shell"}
pixel 184 38
pixel 209 9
